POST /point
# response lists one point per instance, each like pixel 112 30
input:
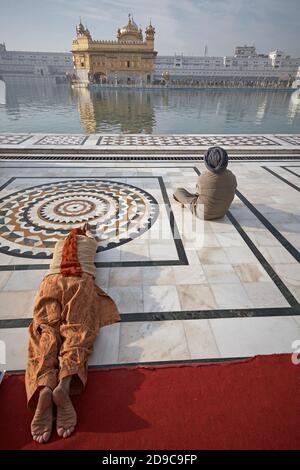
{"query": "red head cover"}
pixel 70 265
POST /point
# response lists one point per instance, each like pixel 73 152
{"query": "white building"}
pixel 38 64
pixel 246 66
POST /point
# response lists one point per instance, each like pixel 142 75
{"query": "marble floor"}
pixel 186 289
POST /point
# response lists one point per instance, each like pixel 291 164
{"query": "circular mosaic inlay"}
pixel 34 219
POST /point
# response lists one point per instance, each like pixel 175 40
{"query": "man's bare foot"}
pixel 41 425
pixel 66 415
pixel 87 229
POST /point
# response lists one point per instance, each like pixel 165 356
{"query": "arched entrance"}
pixel 99 77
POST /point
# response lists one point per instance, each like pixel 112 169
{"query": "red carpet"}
pixel 251 404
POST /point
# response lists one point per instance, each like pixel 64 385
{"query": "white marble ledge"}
pixel 91 141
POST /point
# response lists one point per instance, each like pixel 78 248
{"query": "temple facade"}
pixel 130 59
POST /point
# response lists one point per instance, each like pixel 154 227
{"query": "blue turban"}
pixel 216 159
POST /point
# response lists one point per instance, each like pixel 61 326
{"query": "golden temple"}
pixel 127 60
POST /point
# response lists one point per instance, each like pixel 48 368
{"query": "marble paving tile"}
pixel 191 242
pixel 238 254
pixel 230 296
pixel 160 298
pixel 289 273
pixel 208 225
pixel 277 255
pixel 196 297
pixel 60 139
pixel 133 252
pixel 106 347
pixel 293 238
pixel 9 139
pixel 129 276
pixel 15 340
pixel 163 252
pixel 156 275
pixel 192 256
pixel 241 337
pixel 151 236
pixel 263 238
pixel 291 139
pixel 200 339
pixel 228 239
pixel 240 211
pixel 210 240
pixel 295 290
pixel 3 180
pixel 297 320
pixel 30 281
pixel 251 224
pixel 14 260
pixel 284 204
pixel 159 233
pixel 153 341
pixel 4 277
pixel 221 226
pixel 6 260
pixel 282 217
pixel 250 272
pixel 102 277
pixel 16 304
pixel 265 294
pixel 189 274
pixel 289 227
pixel 128 299
pixel 110 256
pixel 215 255
pixel 220 274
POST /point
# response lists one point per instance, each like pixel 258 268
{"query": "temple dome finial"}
pixel 129 32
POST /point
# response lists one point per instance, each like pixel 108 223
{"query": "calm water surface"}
pixel 42 106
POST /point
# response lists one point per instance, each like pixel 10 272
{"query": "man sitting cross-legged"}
pixel 215 188
pixel 69 310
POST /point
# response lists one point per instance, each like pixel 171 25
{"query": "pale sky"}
pixel 182 26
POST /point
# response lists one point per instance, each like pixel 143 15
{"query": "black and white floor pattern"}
pixel 186 290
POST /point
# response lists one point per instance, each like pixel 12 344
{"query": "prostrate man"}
pixel 69 310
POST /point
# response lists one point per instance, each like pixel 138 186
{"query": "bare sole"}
pixel 66 415
pixel 41 425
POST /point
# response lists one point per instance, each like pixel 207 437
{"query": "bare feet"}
pixel 66 415
pixel 87 229
pixel 41 425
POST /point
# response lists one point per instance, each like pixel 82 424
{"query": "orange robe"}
pixel 69 310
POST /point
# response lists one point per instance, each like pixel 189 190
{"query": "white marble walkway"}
pixel 219 289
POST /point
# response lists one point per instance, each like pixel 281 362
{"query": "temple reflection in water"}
pixel 132 111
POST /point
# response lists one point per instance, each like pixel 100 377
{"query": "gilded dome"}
pixel 82 31
pixel 150 31
pixel 130 31
pixel 80 28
